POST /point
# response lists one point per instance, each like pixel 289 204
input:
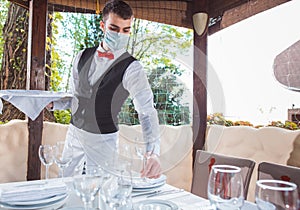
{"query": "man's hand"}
pixel 152 169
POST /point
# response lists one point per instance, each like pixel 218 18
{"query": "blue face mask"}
pixel 115 41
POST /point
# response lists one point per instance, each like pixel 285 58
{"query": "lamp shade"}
pixel 200 22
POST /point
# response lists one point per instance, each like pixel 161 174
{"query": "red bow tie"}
pixel 107 55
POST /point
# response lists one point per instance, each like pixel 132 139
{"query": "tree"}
pixel 156 45
pixel 3 14
pixel 14 57
pixel 156 40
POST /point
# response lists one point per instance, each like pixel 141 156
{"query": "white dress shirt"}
pixel 136 83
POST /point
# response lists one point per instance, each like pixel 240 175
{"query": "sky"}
pixel 241 83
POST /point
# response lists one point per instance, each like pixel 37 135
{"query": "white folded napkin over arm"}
pixel 32 102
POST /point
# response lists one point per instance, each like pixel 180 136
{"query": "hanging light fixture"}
pixel 200 22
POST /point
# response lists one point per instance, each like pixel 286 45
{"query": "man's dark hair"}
pixel 117 7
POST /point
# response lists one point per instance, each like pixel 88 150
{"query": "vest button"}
pixel 83 111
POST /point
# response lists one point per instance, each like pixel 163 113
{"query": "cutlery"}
pixel 165 192
pixel 146 193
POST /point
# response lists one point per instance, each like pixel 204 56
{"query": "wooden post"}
pixel 200 80
pixel 36 76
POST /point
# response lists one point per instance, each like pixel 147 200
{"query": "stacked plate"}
pixel 34 195
pixel 154 205
pixel 145 184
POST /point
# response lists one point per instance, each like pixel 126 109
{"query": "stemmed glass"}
pixel 116 191
pixel 141 150
pixel 46 157
pixel 276 194
pixel 88 184
pixel 225 187
pixel 63 154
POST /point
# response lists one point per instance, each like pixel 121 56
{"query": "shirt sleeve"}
pixel 136 82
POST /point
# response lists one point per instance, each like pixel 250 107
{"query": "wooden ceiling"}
pixel 222 13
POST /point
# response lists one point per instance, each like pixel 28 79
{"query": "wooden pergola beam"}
pixel 21 3
pixel 199 81
pixel 36 76
pixel 248 9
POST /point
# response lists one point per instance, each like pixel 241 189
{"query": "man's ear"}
pixel 102 25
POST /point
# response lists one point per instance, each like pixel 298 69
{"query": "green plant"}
pixel 3 14
pixel 62 116
pixel 287 125
pixel 167 93
pixel 219 119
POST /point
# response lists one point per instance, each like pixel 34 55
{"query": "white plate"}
pixel 39 201
pixel 155 204
pixel 43 206
pixel 141 184
pixel 151 187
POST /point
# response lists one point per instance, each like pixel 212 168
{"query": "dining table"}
pixel 179 199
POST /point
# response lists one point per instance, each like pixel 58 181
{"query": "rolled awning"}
pixel 286 67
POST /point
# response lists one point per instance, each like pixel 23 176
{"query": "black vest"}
pixel 100 104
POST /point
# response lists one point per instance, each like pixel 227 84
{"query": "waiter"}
pixel 102 79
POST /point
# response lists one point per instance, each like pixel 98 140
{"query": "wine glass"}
pixel 88 184
pixel 116 191
pixel 141 152
pixel 276 194
pixel 225 187
pixel 46 157
pixel 63 154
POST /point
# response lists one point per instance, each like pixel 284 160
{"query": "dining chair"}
pixel 267 170
pixel 202 166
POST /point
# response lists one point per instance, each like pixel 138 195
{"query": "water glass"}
pixel 276 194
pixel 88 184
pixel 116 192
pixel 63 154
pixel 141 152
pixel 225 187
pixel 46 157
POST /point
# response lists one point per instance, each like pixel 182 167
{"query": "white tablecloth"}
pixel 184 200
pixel 31 102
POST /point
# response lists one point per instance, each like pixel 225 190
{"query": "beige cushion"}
pixel 53 132
pixel 13 151
pixel 269 144
pixel 14 148
pixel 294 159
